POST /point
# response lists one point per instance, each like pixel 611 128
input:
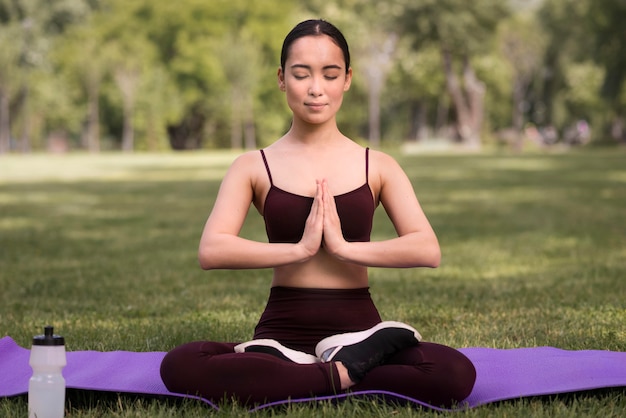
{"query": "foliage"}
pixel 583 80
pixel 28 30
pixel 606 23
pixel 586 34
pixel 455 25
pixel 195 74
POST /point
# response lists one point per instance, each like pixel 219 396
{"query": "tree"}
pixel 189 38
pixel 127 79
pixel 564 23
pixel 417 90
pixel 460 30
pixel 28 30
pixel 83 56
pixel 130 56
pixel 158 104
pixel 241 61
pixel 606 25
pixel 377 62
pixel 9 80
pixel 522 44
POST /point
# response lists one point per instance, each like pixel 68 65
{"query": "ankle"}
pixel 344 376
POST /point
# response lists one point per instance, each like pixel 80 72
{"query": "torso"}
pixel 285 213
pixel 294 177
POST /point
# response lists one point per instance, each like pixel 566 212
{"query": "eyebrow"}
pixel 308 67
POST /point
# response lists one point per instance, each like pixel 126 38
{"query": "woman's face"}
pixel 314 79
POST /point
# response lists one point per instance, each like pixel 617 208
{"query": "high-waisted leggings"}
pixel 299 319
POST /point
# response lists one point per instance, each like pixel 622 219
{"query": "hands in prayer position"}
pixel 323 227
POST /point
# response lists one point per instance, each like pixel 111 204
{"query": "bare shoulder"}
pixel 244 171
pixel 383 164
pixel 247 175
pixel 247 158
pixel 247 164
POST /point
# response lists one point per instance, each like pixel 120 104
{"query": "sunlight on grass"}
pixel 616 176
pixel 114 167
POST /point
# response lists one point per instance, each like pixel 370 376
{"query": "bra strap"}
pixel 367 164
pixel 267 167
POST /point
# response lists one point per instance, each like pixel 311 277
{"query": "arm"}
pixel 221 247
pixel 416 244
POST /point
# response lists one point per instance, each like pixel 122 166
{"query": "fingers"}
pixel 330 209
pixel 314 226
pixel 317 208
pixel 323 226
pixel 333 236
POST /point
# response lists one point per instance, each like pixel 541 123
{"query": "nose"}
pixel 315 88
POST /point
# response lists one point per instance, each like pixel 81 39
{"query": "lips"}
pixel 315 106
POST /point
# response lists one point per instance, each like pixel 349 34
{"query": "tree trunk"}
pixel 374 111
pixel 128 131
pixel 127 80
pixel 618 133
pixel 249 127
pixel 151 133
pixel 5 122
pixel 91 140
pixel 25 142
pixel 443 110
pixel 518 114
pixel 475 90
pixel 468 100
pixel 419 121
pixel 236 131
pixel 377 63
pixel 188 133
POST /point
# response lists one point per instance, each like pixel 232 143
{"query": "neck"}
pixel 312 133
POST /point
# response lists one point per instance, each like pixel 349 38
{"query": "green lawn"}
pixel 104 248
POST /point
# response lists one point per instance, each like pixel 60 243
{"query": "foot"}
pixel 361 351
pixel 276 349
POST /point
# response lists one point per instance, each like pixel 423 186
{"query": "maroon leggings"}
pixel 299 319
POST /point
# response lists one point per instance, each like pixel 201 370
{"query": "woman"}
pixel 317 190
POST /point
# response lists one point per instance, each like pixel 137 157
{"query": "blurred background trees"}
pixel 154 75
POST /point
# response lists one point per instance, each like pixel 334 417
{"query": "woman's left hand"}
pixel 333 236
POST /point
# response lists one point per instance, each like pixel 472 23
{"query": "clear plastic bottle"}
pixel 46 388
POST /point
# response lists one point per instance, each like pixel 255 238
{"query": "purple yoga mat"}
pixel 108 371
pixel 501 374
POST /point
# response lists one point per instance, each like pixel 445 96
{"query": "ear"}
pixel 348 81
pixel 281 79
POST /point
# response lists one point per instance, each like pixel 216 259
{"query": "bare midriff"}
pixel 322 271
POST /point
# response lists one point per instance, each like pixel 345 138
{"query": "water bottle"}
pixel 46 388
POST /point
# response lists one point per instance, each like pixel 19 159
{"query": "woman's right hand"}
pixel 314 227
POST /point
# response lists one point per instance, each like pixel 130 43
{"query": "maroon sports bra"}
pixel 285 213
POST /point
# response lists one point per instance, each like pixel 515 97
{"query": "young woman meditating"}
pixel 320 333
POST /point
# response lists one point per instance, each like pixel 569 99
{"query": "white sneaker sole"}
pixel 293 355
pixel 329 346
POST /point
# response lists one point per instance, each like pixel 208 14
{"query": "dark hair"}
pixel 315 27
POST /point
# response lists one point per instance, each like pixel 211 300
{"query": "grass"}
pixel 104 248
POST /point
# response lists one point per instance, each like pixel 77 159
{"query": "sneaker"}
pixel 276 349
pixel 361 351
